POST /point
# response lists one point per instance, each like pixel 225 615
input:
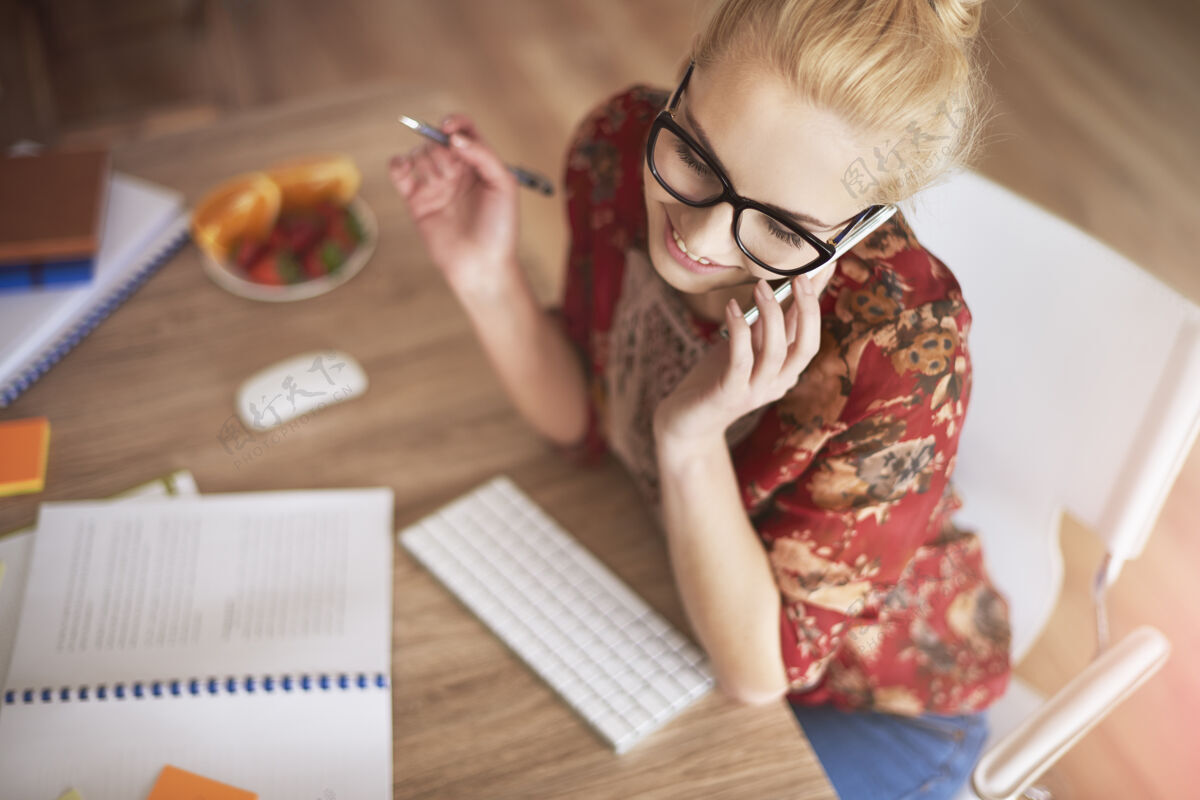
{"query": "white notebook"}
pixel 243 637
pixel 144 225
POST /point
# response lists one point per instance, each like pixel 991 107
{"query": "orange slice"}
pixel 242 207
pixel 307 182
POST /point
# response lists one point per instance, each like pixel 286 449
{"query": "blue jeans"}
pixel 874 756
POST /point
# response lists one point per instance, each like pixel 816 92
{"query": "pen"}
pixel 530 180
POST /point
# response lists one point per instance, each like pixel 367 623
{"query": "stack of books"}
pixel 76 239
pixel 51 212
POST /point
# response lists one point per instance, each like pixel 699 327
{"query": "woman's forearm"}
pixel 722 571
pixel 536 363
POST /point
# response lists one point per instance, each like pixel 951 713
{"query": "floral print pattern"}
pixel 886 604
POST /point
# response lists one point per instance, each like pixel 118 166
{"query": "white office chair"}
pixel 1086 397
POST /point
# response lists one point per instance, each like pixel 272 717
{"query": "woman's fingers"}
pixel 421 180
pixel 774 345
pixel 791 318
pixel 422 169
pixel 808 335
pixel 471 148
pixel 446 166
pixel 460 123
pixel 430 166
pixel 741 354
pixel 400 170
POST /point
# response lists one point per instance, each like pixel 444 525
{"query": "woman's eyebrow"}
pixel 798 217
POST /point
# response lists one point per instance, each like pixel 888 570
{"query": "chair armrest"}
pixel 1011 765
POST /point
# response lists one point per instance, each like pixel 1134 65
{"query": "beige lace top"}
pixel 653 344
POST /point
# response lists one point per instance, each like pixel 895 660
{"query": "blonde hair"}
pixel 901 73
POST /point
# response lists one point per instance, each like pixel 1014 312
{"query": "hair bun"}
pixel 960 18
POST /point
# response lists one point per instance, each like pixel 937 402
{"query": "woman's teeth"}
pixel 683 247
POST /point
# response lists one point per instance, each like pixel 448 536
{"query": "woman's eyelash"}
pixel 795 240
pixel 685 154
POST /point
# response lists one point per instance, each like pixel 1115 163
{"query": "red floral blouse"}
pixel 886 604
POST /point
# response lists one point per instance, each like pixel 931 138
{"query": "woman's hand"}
pixel 464 203
pixel 754 367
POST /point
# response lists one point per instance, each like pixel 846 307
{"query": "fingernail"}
pixel 761 289
pixel 731 307
pixel 458 140
pixel 806 285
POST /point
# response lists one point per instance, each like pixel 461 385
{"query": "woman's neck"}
pixel 711 305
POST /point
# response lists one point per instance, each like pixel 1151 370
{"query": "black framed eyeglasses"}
pixel 686 170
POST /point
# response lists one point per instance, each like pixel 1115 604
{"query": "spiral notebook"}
pixel 244 637
pixel 144 225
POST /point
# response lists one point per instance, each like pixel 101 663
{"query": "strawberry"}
pixel 263 271
pixel 276 269
pixel 314 267
pixel 247 252
pixel 341 233
pixel 303 231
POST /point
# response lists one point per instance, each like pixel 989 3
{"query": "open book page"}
pixel 332 745
pixel 17 546
pixel 255 584
pixel 14 552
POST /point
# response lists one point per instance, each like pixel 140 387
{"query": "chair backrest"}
pixel 1085 392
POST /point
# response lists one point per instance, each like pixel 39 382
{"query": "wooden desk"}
pixel 148 392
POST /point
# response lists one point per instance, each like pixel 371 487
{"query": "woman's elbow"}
pixel 753 694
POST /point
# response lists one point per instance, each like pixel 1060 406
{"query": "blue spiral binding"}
pixel 66 343
pixel 199 687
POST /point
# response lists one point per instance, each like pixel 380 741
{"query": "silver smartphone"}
pixel 864 229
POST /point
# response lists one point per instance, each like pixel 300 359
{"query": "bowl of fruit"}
pixel 290 232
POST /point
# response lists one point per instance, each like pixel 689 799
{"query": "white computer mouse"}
pixel 299 385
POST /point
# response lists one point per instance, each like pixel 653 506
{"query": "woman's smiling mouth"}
pixel 678 250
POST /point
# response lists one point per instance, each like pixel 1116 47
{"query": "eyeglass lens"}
pixel 688 174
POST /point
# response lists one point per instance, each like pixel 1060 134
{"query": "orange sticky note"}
pixel 178 784
pixel 23 447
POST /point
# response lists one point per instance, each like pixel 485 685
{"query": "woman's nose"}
pixel 708 232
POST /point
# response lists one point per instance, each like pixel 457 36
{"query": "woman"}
pixel 800 469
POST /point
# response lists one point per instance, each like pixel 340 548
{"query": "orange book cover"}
pixel 24 444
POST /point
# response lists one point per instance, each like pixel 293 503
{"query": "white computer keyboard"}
pixel 619 664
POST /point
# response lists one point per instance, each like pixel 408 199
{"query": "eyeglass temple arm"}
pixel 856 235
